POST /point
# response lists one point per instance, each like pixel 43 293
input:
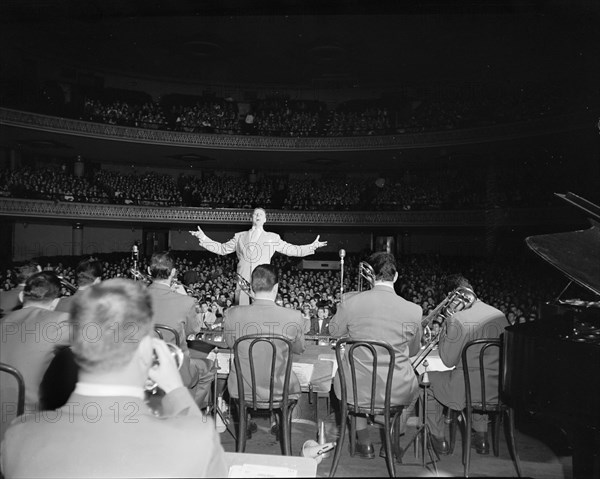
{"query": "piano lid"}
pixel 575 253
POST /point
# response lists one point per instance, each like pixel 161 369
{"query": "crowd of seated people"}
pixel 146 189
pixel 503 282
pixel 459 107
pixel 325 194
pixel 225 191
pixel 449 187
pixel 50 184
pixel 147 115
pixel 210 116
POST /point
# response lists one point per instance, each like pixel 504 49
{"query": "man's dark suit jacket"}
pixel 381 314
pixel 179 312
pixel 114 436
pixel 315 330
pixel 263 317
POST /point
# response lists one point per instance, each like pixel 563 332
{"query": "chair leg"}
pixel 396 434
pixel 340 443
pixel 496 421
pixel 467 441
pixel 286 447
pixel 352 433
pixel 509 431
pixel 452 421
pixel 242 425
pixel 287 437
pixel 388 444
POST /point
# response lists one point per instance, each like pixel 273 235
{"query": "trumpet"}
pixel 245 285
pixel 177 354
pixel 67 285
pixel 137 275
pixel 458 300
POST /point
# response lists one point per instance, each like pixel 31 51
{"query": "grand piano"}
pixel 553 364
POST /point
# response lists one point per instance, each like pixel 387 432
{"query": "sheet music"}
pixel 304 372
pixel 256 470
pixel 330 357
pixel 224 360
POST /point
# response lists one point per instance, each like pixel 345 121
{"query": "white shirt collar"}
pixel 391 286
pixel 95 389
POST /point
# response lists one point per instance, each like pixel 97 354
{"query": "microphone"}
pixel 134 252
pixel 342 253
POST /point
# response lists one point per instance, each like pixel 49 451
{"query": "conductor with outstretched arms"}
pixel 255 246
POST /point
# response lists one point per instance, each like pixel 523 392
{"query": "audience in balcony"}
pixel 449 186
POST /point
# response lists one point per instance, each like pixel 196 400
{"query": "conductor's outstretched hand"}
pixel 198 234
pixel 318 244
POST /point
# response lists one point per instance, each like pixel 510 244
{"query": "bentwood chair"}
pixel 263 384
pixel 159 328
pixel 489 401
pixel 7 396
pixel 379 355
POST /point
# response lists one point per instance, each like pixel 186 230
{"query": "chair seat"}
pixel 266 405
pixel 376 411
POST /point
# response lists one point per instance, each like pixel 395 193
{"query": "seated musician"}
pixel 263 316
pixel 448 387
pixel 106 429
pixel 179 312
pixel 380 314
pixel 13 298
pixel 88 272
pixel 30 336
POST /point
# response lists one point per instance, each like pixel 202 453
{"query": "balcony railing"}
pixel 41 209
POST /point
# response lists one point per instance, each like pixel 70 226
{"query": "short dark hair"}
pixel 108 321
pixel 384 265
pixel 161 265
pixel 87 271
pixel 41 287
pixel 264 277
pixel 26 270
pixel 453 281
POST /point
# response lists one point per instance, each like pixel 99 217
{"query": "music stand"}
pixel 423 434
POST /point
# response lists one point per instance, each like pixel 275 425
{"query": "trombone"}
pixel 245 285
pixel 458 300
pixel 366 276
pixel 366 273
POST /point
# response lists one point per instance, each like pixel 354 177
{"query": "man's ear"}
pixel 145 352
pixel 97 280
pixel 395 277
pixel 173 274
pixel 275 289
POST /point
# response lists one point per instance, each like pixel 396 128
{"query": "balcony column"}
pixel 77 240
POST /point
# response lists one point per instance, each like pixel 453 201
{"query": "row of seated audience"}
pixel 298 118
pixel 211 280
pixel 441 188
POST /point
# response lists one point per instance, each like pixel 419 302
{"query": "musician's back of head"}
pixel 384 266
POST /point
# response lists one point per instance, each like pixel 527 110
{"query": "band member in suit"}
pixel 31 336
pixel 255 247
pixel 263 316
pixel 13 298
pixel 477 322
pixel 380 314
pixel 106 429
pixel 88 272
pixel 175 310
